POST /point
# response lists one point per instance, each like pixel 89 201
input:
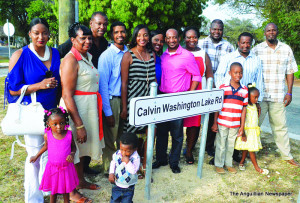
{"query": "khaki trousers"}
pixel 225 140
pixel 112 135
pixel 277 118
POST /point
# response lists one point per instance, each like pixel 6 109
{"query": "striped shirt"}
pixel 215 51
pixel 276 64
pixel 252 70
pixel 234 101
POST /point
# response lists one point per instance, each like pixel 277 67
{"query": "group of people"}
pixel 95 81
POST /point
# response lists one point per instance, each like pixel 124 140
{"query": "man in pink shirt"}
pixel 178 67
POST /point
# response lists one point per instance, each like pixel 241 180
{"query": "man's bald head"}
pixel 271 24
pixel 172 39
pixel 172 31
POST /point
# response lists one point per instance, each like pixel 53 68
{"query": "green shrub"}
pixel 297 74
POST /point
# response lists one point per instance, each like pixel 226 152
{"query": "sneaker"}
pixel 231 170
pixel 220 170
pixel 242 167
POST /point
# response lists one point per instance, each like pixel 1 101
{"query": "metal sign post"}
pixel 9 30
pixel 8 38
pixel 152 109
pixel 204 135
pixel 150 143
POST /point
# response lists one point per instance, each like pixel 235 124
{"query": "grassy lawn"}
pixel 183 187
pixel 4 59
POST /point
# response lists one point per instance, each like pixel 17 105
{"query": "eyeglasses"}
pixel 48 74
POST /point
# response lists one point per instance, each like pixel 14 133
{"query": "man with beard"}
pixel 278 64
pixel 109 68
pixel 215 46
pixel 252 66
pixel 98 24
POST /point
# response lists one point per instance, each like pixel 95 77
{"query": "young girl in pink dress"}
pixel 60 175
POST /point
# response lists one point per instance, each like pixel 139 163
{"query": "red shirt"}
pixel 234 101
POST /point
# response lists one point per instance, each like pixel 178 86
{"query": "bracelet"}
pixel 289 94
pixel 79 127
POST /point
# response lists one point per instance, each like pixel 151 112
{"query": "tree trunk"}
pixel 66 10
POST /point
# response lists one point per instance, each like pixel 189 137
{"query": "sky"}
pixel 226 13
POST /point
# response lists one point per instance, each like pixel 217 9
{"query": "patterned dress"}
pixel 252 132
pixel 140 75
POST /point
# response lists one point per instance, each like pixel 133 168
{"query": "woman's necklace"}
pixel 146 67
pixel 46 54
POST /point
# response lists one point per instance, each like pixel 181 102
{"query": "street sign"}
pixel 11 30
pixel 148 110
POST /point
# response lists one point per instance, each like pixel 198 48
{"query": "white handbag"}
pixel 23 119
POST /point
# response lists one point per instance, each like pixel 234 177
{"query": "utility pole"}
pixel 66 10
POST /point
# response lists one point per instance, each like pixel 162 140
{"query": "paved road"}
pixel 4 51
pixel 293 116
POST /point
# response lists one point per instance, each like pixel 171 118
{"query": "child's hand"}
pixel 70 158
pixel 111 178
pixel 214 127
pixel 32 159
pixel 125 159
pixel 241 133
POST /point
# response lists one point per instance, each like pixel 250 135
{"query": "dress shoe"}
pixel 293 163
pixel 158 164
pixel 212 161
pixel 237 159
pixel 210 153
pixel 175 169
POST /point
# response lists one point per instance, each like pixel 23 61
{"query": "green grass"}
pixel 4 59
pixel 297 74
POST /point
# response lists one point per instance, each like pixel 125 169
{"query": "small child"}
pixel 251 142
pixel 60 175
pixel 123 169
pixel 230 121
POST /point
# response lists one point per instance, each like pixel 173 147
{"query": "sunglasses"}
pixel 48 74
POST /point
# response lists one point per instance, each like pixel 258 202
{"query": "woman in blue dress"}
pixel 35 65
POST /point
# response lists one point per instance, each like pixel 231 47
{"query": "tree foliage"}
pixel 46 10
pixel 15 12
pixel 156 14
pixel 235 26
pixel 284 13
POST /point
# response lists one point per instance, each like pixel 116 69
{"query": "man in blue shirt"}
pixel 252 65
pixel 109 67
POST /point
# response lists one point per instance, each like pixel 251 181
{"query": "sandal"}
pixel 141 173
pixel 90 187
pixel 84 200
pixel 263 171
pixel 242 167
pixel 189 159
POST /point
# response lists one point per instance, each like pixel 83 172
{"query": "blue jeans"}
pixel 124 195
pixel 176 129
